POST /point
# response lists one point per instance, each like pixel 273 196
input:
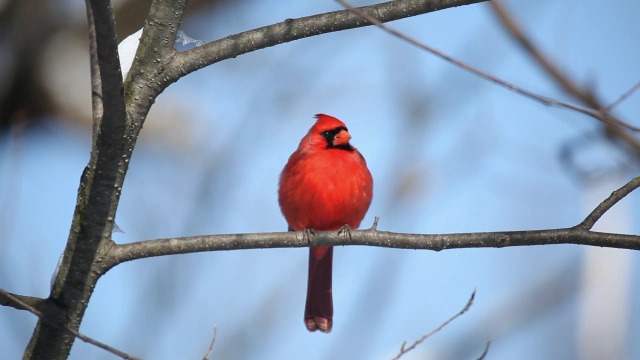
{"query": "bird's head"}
pixel 330 133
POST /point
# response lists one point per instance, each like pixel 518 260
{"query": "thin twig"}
pixel 595 113
pixel 622 97
pixel 486 350
pixel 84 338
pixel 604 206
pixel 404 350
pixel 375 223
pixel 213 341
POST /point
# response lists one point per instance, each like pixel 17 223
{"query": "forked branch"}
pixel 405 349
pixel 21 303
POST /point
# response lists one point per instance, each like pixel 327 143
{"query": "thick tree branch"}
pixel 369 237
pixel 294 29
pixel 598 113
pixel 96 82
pixel 155 50
pixel 98 195
pixel 161 27
pixel 101 14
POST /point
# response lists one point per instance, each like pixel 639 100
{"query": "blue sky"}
pixel 449 152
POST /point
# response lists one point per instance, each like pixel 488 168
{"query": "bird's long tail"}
pixel 318 313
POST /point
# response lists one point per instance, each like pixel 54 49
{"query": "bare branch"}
pixel 98 193
pixel 595 113
pixel 213 341
pixel 486 350
pixel 370 237
pixel 622 97
pixel 9 299
pixel 515 30
pixel 585 96
pixel 161 26
pixel 96 83
pixel 579 234
pixel 375 223
pixel 156 48
pixel 604 206
pixel 26 306
pixel 103 42
pixel 404 350
pixel 294 29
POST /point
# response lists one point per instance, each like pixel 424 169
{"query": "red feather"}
pixel 325 185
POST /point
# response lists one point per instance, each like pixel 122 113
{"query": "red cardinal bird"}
pixel 324 186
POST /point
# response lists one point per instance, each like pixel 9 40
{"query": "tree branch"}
pixel 294 29
pixel 155 51
pixel 579 234
pixel 369 237
pixel 207 355
pixel 485 351
pixel 622 97
pixel 597 112
pixel 18 301
pixel 404 350
pixel 604 206
pixel 98 194
pixel 96 82
pixel 23 303
pixel 565 82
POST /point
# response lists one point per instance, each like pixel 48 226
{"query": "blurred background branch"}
pixel 582 94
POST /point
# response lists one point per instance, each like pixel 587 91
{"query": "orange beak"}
pixel 342 138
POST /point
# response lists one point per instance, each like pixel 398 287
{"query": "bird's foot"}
pixel 345 230
pixel 308 233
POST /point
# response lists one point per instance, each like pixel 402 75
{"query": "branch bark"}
pixel 98 195
pixel 24 304
pixel 369 237
pixel 579 234
pixel 294 29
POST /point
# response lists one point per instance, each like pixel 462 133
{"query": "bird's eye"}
pixel 328 135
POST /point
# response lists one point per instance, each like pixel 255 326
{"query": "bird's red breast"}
pixel 325 185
